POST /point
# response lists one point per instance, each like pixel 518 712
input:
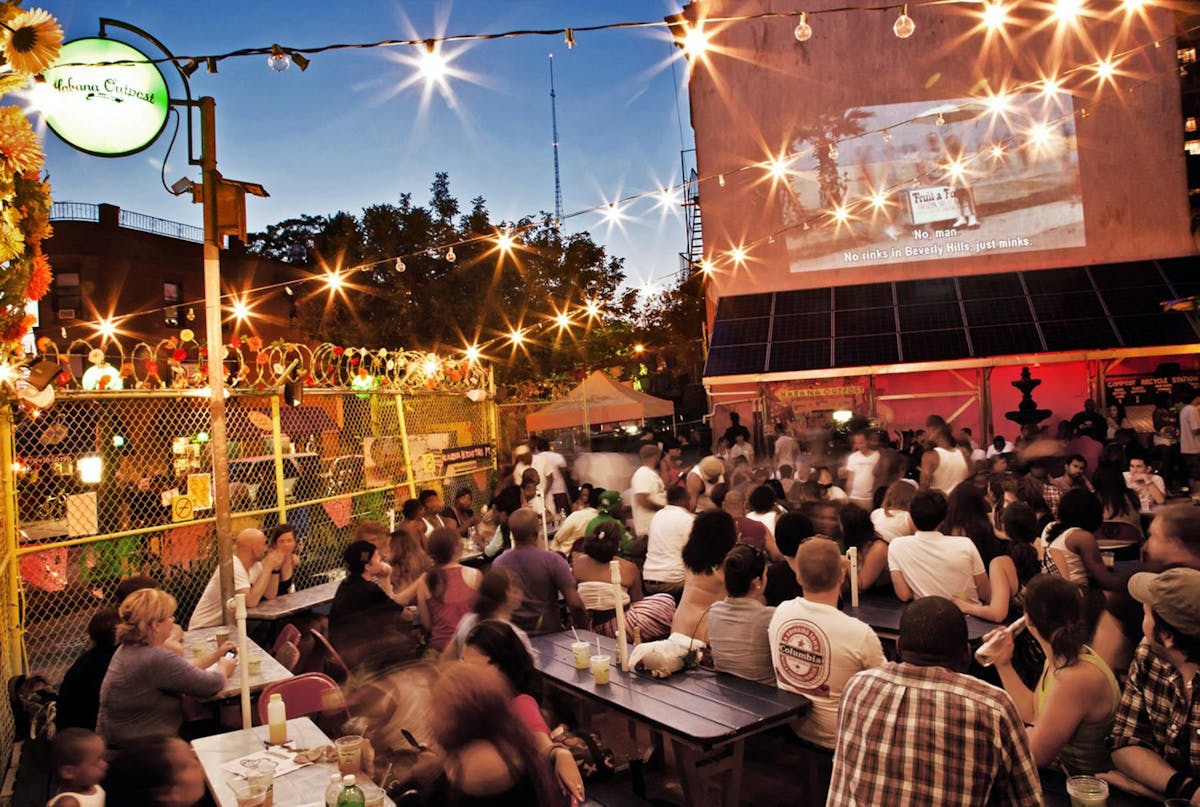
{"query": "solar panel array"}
pixel 1049 310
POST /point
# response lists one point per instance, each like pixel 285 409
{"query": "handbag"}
pixel 594 759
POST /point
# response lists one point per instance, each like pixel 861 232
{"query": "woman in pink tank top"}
pixel 447 591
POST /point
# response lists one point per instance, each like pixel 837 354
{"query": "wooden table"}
pixel 287 604
pixel 1054 793
pixel 707 715
pixel 300 788
pixel 882 612
pixel 272 670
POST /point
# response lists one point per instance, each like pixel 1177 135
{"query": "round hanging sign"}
pixel 104 97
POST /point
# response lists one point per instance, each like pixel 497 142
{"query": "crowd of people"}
pixel 747 557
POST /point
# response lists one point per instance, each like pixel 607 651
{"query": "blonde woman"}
pixel 142 693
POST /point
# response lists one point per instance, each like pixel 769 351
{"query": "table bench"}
pixel 286 605
pixel 882 612
pixel 272 670
pixel 707 715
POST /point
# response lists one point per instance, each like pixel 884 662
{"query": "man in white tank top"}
pixel 943 466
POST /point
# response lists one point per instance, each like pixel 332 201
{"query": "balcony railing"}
pixel 85 211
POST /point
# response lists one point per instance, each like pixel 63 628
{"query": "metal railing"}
pixel 74 211
pixel 131 220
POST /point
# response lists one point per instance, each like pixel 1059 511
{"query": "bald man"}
pixel 253 571
pixel 543 575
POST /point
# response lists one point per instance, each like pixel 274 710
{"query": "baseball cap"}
pixel 711 469
pixel 1174 595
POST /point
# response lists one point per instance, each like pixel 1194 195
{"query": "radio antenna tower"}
pixel 558 202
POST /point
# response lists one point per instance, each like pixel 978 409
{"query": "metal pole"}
pixel 216 361
pixel 16 640
pixel 408 466
pixel 277 441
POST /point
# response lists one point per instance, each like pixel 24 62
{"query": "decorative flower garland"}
pixel 29 43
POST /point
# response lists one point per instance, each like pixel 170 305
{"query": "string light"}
pixel 695 42
pixel 803 31
pixel 904 26
pixel 400 267
pixel 570 38
pixel 450 256
pixel 778 168
pixel 879 200
pixel 433 64
pixel 706 267
pixel 592 308
pixel 515 337
pixel 995 15
pixel 1065 11
pixel 278 60
pixel 738 255
pixel 833 152
pixel 887 136
pixel 563 321
pixel 334 281
pixel 471 353
pixel 191 315
pixel 107 328
pixel 941 120
pixel 721 180
pixel 841 214
pixel 997 151
pixel 240 310
pixel 1105 69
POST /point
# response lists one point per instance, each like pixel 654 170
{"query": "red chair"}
pixel 307 694
pixel 331 659
pixel 289 635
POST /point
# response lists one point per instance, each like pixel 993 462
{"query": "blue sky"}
pixel 344 134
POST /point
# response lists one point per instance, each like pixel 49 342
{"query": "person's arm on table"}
pixel 1083 543
pixel 269 573
pixel 903 592
pixel 995 608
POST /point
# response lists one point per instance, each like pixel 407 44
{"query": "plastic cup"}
pixel 198 650
pixel 583 657
pixel 248 794
pixel 372 793
pixel 600 668
pixel 1177 803
pixel 1087 791
pixel 1109 558
pixel 254 663
pixel 262 774
pixel 221 637
pixel 349 751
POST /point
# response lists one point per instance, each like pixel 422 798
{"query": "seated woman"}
pixel 447 591
pixel 281 539
pixel 1070 547
pixel 737 625
pixel 498 645
pixel 366 625
pixel 142 693
pixel 1118 502
pixel 409 562
pixel 713 535
pixel 1012 569
pixel 763 507
pixel 1073 705
pixel 858 531
pixel 968 514
pixel 499 595
pixel 648 618
pixel 490 757
pixel 891 519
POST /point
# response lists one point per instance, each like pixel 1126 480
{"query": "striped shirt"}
pixel 922 736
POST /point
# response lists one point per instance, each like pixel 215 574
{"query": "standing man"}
pixel 921 733
pixel 1090 422
pixel 1189 437
pixel 735 428
pixel 1156 733
pixel 254 571
pixel 552 467
pixel 669 531
pixel 649 493
pixel 943 465
pixel 786 447
pixel 860 472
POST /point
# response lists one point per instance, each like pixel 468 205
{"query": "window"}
pixel 172 297
pixel 1189 125
pixel 67 299
pixel 1192 147
pixel 1186 55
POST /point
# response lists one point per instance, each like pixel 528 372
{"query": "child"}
pixel 79 756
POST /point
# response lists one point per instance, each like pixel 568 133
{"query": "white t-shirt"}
pixel 645 480
pixel 767 519
pixel 1142 489
pixel 861 484
pixel 786 450
pixel 209 613
pixel 888 527
pixel 816 649
pixel 992 452
pixel 836 494
pixel 551 462
pixel 1189 421
pixel 933 563
pixel 669 531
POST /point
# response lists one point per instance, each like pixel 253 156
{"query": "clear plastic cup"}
pixel 221 637
pixel 349 751
pixel 254 662
pixel 582 653
pixel 600 668
pixel 372 793
pixel 247 794
pixel 1087 791
pixel 262 774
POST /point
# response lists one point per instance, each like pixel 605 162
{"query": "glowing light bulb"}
pixel 433 63
pixel 450 256
pixel 695 42
pixel 706 267
pixel 941 120
pixel 955 169
pixel 1039 134
pixel 1133 5
pixel 997 151
pixel 240 310
pixel 1105 69
pixel 1050 86
pixel 995 15
pixel 563 321
pixel 879 200
pixel 334 281
pixel 803 31
pixel 841 214
pixel 738 255
pixel 431 365
pixel 997 103
pixel 833 151
pixel 472 353
pixel 639 348
pixel 887 136
pixel 721 180
pixel 592 308
pixel 904 26
pixel 777 168
pixel 1065 11
pixel 516 337
pixel 400 267
pixel 107 328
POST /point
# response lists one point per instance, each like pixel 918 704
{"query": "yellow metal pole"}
pixel 277 440
pixel 16 632
pixel 408 466
pixel 495 419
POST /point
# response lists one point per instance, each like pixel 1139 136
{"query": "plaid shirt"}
pixel 924 736
pixel 1155 714
pixel 1053 495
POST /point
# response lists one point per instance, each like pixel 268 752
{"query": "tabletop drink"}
pixel 351 795
pixel 373 794
pixel 349 751
pixel 582 651
pixel 247 794
pixel 333 789
pixel 600 668
pixel 986 654
pixel 262 774
pixel 1087 791
pixel 254 664
pixel 276 720
pixel 198 650
pixel 221 636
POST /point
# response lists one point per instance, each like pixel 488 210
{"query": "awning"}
pixel 598 399
pixel 943 319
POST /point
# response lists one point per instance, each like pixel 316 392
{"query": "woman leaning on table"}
pixel 1073 704
pixel 142 693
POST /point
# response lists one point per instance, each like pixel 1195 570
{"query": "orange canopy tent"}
pixel 598 399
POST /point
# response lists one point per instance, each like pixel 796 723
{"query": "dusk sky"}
pixel 345 134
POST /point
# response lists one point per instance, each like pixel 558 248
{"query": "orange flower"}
pixel 39 279
pixel 18 142
pixel 31 41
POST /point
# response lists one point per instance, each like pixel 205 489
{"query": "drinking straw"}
pixel 597 644
pixel 575 632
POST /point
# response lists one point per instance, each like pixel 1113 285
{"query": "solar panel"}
pixel 934 345
pixel 935 290
pixel 1180 270
pixel 805 301
pixel 1125 275
pixel 1067 306
pixel 1163 328
pixel 1002 310
pixel 855 350
pixel 743 306
pixel 929 316
pixel 869 295
pixel 1005 340
pixel 1078 334
pixel 735 360
pixel 810 354
pixel 1141 300
pixel 740 331
pixel 801 326
pixel 985 287
pixel 1050 281
pixel 865 321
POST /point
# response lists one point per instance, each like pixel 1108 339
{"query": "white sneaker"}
pixel 972 222
pixel 958 222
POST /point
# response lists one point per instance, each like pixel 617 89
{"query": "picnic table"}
pixel 882 612
pixel 287 604
pixel 300 788
pixel 707 715
pixel 1054 792
pixel 272 670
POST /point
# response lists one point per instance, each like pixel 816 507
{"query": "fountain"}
pixel 1027 415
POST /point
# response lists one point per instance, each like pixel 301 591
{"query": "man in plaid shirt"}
pixel 1156 733
pixel 922 733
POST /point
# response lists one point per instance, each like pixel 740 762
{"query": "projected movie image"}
pixel 951 179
